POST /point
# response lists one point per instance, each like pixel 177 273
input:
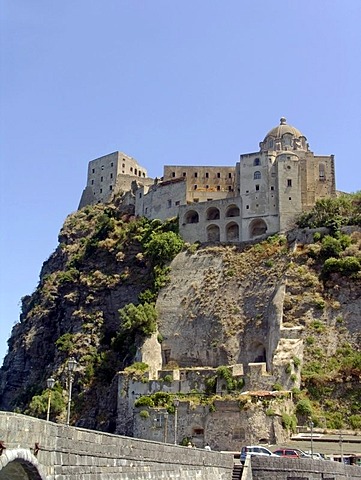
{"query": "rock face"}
pixel 260 310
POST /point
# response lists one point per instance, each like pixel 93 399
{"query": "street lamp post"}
pixel 341 447
pixel 311 425
pixel 71 366
pixel 165 426
pixel 176 405
pixel 50 384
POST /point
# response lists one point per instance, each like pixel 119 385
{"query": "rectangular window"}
pixel 169 203
pixel 207 175
pixel 184 174
pixel 177 203
pixel 247 207
pixel 101 179
pixel 93 170
pixel 257 188
pixel 272 187
pixel 289 182
pixel 101 190
pixel 111 175
pixel 112 164
pixel 140 195
pixel 123 165
pixel 207 186
pixel 218 175
pixel 102 167
pixel 195 174
pixel 229 175
pixel 218 187
pixel 229 188
pixel 110 187
pixel 195 187
pixel 146 209
pixel 92 182
pixel 173 174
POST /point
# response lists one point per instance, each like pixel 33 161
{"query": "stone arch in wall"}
pixel 191 217
pixel 213 233
pixel 257 227
pixel 232 211
pixel 213 213
pixel 20 464
pixel 232 232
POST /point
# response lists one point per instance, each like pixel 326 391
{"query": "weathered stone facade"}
pixel 260 195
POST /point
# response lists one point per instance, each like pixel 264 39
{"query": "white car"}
pixel 253 450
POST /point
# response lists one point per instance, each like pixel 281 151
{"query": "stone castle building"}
pixel 260 195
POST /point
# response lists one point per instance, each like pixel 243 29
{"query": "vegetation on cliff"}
pixel 96 301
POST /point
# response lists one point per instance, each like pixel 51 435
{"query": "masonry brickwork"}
pixel 260 195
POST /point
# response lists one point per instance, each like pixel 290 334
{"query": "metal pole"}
pixel 341 447
pixel 71 366
pixel 175 424
pixel 48 411
pixel 311 424
pixel 50 384
pixel 165 426
pixel 69 397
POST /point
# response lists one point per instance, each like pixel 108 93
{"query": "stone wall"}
pixel 58 451
pixel 301 469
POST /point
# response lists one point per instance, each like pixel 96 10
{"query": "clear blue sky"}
pixel 167 82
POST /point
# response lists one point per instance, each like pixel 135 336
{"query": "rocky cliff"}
pixel 119 290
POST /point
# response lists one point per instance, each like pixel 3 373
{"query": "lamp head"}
pixel 50 382
pixel 72 363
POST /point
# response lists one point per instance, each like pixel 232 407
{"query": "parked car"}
pixel 252 450
pixel 291 453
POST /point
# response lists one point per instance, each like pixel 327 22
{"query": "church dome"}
pixel 283 128
pixel 284 137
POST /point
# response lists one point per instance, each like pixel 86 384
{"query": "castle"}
pixel 260 195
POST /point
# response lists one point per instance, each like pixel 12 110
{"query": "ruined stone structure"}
pixel 260 195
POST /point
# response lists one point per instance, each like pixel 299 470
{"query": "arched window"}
pixel 257 227
pixel 232 211
pixel 256 175
pixel 213 214
pixel 213 233
pixel 191 217
pixel 256 162
pixel 232 232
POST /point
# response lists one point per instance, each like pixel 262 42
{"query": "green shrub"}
pixel 140 318
pixel 317 236
pixel 270 412
pixel 144 414
pixel 304 407
pixel 330 247
pixel 163 247
pixel 145 401
pixel 289 422
pixel 65 343
pixel 296 362
pixel 355 421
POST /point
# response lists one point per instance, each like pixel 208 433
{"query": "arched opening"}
pixel 191 217
pixel 258 352
pixel 257 227
pixel 256 162
pixel 232 211
pixel 256 175
pixel 232 232
pixel 22 465
pixel 213 213
pixel 213 234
